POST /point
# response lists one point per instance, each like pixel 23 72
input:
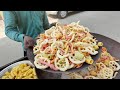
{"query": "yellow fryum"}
pixel 25 65
pixel 89 60
pixel 28 72
pixel 25 68
pixel 15 71
pixel 7 73
pixel 12 73
pixel 20 74
pixel 11 77
pixel 96 47
pixel 34 72
pixel 28 77
pixel 35 77
pixel 21 66
pixel 5 77
pixel 100 44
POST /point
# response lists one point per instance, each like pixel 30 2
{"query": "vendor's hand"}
pixel 28 42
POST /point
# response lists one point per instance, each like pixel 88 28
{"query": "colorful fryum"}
pixel 64 47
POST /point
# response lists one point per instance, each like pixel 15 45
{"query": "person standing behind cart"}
pixel 25 26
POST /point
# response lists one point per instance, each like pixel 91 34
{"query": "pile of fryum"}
pixel 64 47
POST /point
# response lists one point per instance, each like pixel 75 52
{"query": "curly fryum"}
pixel 63 41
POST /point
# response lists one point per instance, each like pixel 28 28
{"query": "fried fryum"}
pixel 21 71
pixel 106 67
pixel 75 76
pixel 63 47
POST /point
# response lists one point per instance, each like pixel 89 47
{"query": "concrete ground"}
pixel 102 22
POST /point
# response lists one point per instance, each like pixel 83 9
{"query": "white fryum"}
pixel 57 44
pixel 42 44
pixel 38 64
pixel 36 50
pixel 90 40
pixel 76 61
pixel 90 50
pixel 114 65
pixel 61 56
pixel 73 36
pixel 61 67
pixel 48 32
pixel 76 76
pixel 38 41
pixel 90 77
pixel 105 73
pixel 71 66
pixel 83 44
pixel 52 40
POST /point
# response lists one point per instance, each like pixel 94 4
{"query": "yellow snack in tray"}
pixel 7 73
pixel 34 73
pixel 25 69
pixel 4 77
pixel 21 71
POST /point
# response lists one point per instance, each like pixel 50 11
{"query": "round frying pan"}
pixel 112 46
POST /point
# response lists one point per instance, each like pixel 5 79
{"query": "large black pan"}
pixel 112 46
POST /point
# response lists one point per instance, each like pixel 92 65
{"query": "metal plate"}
pixel 112 46
pixel 9 68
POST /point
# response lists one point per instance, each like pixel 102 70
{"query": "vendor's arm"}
pixel 11 30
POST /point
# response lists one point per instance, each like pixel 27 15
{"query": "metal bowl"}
pixel 9 67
